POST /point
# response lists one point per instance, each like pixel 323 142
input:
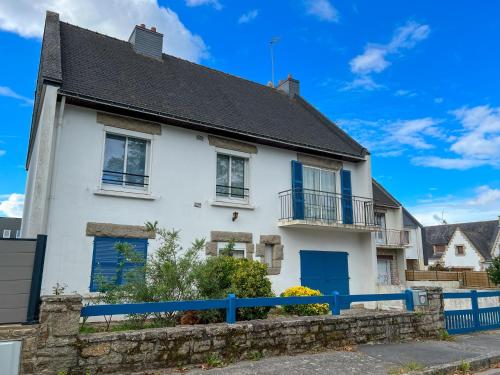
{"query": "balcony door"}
pixel 380 222
pixel 319 194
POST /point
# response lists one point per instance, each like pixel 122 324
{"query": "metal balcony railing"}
pixel 330 208
pixel 124 179
pixel 392 237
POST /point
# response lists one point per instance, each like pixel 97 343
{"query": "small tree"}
pixel 494 270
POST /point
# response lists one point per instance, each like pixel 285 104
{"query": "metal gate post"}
pixel 475 309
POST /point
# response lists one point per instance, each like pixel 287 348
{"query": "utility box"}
pixel 420 298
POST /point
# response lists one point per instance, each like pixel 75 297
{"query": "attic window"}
pixel 439 249
pixel 459 250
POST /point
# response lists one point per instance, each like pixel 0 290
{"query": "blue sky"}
pixel 417 83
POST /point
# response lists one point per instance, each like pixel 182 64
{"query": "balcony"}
pixel 392 238
pixel 319 209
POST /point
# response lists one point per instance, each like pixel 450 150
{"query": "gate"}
pixel 21 268
pixel 475 319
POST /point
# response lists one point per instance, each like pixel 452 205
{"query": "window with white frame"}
pixel 238 250
pixel 320 186
pixel 6 233
pixel 126 161
pixel 268 255
pixel 232 177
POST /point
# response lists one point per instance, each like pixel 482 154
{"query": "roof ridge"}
pixel 462 223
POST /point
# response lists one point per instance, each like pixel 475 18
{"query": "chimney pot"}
pixel 153 29
pixel 142 25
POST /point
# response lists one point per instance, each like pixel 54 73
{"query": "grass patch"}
pixel 255 355
pixel 213 360
pixel 407 368
pixel 445 336
pixel 464 367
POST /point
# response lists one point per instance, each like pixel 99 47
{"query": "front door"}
pixel 326 271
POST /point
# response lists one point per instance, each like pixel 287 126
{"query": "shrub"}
pixel 219 276
pixel 310 309
pixel 494 270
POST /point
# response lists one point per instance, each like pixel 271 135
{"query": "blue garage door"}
pixel 326 271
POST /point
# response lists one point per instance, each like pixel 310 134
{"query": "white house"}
pixel 398 241
pixel 123 134
pixel 464 246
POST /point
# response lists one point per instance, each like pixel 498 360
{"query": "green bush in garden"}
pixel 494 270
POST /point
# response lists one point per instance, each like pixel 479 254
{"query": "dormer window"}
pixel 439 249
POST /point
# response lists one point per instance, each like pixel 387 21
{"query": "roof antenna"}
pixel 274 40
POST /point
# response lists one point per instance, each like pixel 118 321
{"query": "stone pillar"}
pixel 435 297
pixel 59 327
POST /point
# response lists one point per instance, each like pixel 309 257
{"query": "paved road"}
pixel 371 359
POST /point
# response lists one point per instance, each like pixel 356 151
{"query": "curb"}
pixel 483 362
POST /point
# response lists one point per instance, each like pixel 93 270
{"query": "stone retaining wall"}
pixel 55 346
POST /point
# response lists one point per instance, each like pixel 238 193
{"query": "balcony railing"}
pixel 125 179
pixel 327 208
pixel 392 237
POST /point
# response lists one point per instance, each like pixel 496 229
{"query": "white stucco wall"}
pixel 471 257
pixel 182 173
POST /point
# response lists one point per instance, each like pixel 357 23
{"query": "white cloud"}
pixel 114 18
pixel 249 16
pixel 484 204
pixel 2 152
pixel 363 82
pixel 195 3
pixel 477 144
pixel 374 59
pixel 406 93
pixel 392 138
pixel 8 92
pixel 322 9
pixel 438 100
pixel 11 205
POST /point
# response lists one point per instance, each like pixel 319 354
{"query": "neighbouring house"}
pixel 10 227
pixel 464 246
pixel 123 134
pixel 398 241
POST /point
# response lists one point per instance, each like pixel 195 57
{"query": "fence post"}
pixel 475 308
pixel 409 300
pixel 231 309
pixel 336 303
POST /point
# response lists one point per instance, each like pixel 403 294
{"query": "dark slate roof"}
pixel 12 223
pixel 382 197
pixel 107 70
pixel 481 234
pixel 409 220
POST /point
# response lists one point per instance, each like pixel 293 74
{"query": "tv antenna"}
pixel 274 40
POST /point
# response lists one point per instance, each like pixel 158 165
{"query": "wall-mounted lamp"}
pixel 235 215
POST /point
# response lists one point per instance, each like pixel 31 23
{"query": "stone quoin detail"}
pixel 219 236
pixel 275 241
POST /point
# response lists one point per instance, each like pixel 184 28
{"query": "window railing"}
pixel 124 179
pixel 392 237
pixel 232 191
pixel 330 208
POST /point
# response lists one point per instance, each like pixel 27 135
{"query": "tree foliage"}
pixel 494 270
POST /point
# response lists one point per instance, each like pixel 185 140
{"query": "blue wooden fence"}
pixel 475 319
pixel 231 303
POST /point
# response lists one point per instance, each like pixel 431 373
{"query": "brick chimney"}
pixel 147 42
pixel 289 86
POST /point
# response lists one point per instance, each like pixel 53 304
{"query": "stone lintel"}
pixel 319 162
pixel 128 123
pixel 118 230
pixel 219 236
pixel 231 144
pixel 270 239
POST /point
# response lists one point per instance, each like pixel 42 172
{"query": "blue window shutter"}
pixel 345 181
pixel 105 259
pixel 297 191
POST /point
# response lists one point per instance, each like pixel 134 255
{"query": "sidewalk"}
pixel 380 359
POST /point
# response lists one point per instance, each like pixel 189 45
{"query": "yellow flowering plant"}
pixel 310 309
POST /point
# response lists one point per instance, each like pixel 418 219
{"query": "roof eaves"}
pixel 329 124
pixel 389 195
pixel 138 110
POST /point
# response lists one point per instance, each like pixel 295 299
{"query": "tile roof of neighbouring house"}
pixel 382 197
pixel 107 70
pixel 481 234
